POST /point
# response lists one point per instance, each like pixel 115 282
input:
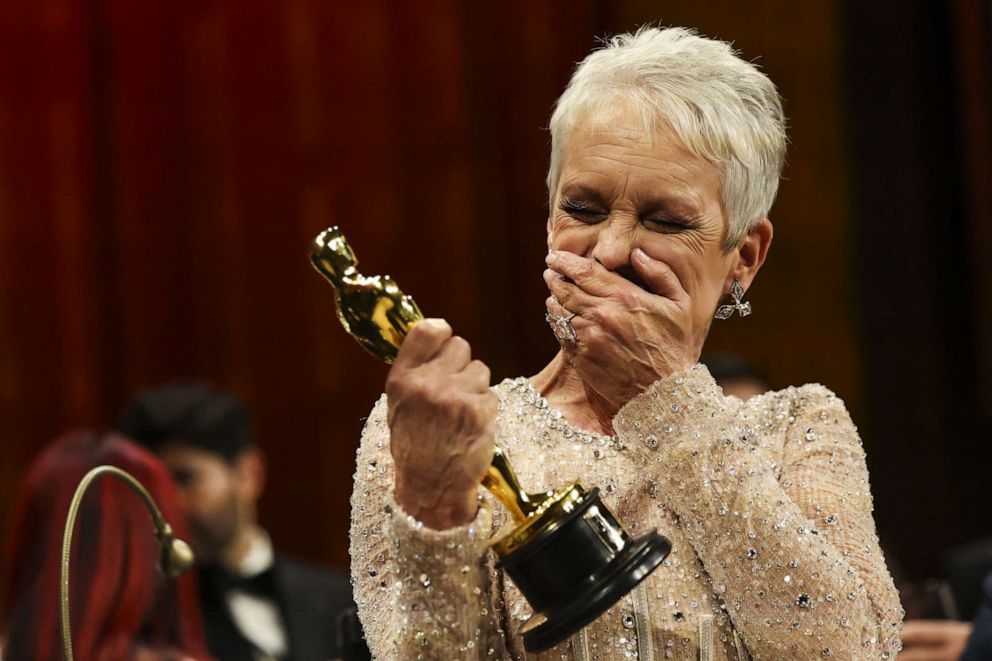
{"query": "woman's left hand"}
pixel 626 337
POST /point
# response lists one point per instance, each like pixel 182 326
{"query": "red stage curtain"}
pixel 164 164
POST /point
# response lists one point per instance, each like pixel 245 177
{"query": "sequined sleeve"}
pixel 421 593
pixel 788 541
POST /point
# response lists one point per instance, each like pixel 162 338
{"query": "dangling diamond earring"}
pixel 743 307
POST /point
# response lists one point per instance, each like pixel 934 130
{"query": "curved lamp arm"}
pixel 175 556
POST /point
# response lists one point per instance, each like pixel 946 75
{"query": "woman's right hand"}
pixel 441 414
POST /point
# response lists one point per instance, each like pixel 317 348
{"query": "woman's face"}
pixel 622 189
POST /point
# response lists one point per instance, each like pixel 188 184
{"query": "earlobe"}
pixel 752 251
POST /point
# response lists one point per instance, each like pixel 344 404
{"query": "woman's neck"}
pixel 567 392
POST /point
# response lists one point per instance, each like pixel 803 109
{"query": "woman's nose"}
pixel 613 245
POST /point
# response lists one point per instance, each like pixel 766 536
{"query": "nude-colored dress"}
pixel 766 503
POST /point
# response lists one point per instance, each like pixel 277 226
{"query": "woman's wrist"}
pixel 440 513
pixel 663 408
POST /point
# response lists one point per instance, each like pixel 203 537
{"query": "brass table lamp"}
pixel 567 553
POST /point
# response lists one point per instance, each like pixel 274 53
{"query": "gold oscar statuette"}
pixel 566 552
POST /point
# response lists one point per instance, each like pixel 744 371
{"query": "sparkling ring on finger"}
pixel 562 326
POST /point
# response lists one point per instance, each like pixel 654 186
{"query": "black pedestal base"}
pixel 640 559
pixel 577 563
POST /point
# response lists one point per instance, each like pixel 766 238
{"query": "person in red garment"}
pixel 122 606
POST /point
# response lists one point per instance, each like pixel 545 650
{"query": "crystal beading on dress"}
pixel 767 504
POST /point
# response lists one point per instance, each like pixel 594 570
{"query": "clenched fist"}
pixel 441 414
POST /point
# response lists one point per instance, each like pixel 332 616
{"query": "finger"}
pixel 454 355
pixel 587 273
pixel 657 275
pixel 569 296
pixel 555 307
pixel 476 375
pixel 576 322
pixel 558 311
pixel 422 343
pixel 584 329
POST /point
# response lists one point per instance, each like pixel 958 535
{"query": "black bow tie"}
pixel 221 580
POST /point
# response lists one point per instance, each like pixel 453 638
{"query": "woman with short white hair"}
pixel 666 154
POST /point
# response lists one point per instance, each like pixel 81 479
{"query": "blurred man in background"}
pixel 256 603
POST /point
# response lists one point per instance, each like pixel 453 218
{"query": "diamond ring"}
pixel 562 326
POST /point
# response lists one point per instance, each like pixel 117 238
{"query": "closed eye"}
pixel 583 211
pixel 667 225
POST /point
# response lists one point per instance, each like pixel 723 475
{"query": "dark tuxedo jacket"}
pixel 309 598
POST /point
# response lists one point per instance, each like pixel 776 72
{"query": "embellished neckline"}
pixel 554 419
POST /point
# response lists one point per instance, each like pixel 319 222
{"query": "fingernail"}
pixel 552 256
pixel 641 256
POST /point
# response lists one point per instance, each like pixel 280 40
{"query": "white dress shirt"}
pixel 258 618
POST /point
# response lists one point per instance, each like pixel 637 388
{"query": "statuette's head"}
pixel 331 254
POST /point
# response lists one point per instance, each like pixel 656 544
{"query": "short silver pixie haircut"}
pixel 723 108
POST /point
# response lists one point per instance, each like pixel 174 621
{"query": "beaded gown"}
pixel 766 503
